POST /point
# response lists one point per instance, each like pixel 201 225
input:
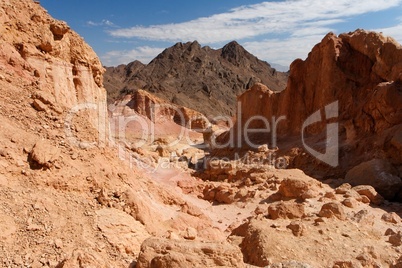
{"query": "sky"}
pixel 275 31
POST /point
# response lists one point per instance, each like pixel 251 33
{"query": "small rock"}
pixel 391 217
pixel 190 233
pixel 343 264
pixel 35 227
pixel 298 188
pixel 354 194
pixel 173 236
pixel 330 195
pixel 396 239
pixel 44 154
pixel 297 228
pixel 74 156
pixel 350 202
pixel 39 106
pixel 389 232
pixel 343 189
pixel 58 243
pixel 260 210
pixel 370 192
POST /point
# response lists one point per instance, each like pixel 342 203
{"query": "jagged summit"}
pixel 236 54
pixel 204 79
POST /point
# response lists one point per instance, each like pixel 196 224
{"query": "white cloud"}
pixel 144 54
pixel 395 32
pixel 102 23
pixel 283 51
pixel 256 20
pixel 277 32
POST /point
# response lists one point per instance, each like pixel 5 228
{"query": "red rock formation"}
pixel 146 104
pixel 361 70
pixel 360 74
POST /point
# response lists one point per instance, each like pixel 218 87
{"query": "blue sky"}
pixel 276 31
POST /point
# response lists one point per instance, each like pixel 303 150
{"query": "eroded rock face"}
pixel 355 80
pixel 349 69
pixel 54 58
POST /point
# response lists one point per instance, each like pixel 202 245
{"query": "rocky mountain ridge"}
pixel 201 78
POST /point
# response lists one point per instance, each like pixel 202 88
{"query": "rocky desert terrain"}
pixel 143 181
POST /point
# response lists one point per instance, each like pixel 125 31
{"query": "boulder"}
pixel 300 188
pixel 378 173
pixel 331 210
pixel 285 210
pixel 370 192
pixel 43 154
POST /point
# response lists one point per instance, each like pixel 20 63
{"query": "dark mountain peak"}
pixel 177 50
pixel 235 53
pixel 201 78
pixel 135 64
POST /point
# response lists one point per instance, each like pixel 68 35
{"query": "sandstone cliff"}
pixel 359 76
pixel 65 70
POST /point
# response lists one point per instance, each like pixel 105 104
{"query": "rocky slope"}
pixel 69 199
pixel 201 78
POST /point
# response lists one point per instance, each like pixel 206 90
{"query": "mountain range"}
pixel 201 78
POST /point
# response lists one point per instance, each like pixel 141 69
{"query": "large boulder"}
pixel 378 173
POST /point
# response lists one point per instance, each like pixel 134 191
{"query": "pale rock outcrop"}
pixel 165 253
pixel 121 230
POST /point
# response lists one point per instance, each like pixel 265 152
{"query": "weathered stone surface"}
pixel 164 253
pixel 121 230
